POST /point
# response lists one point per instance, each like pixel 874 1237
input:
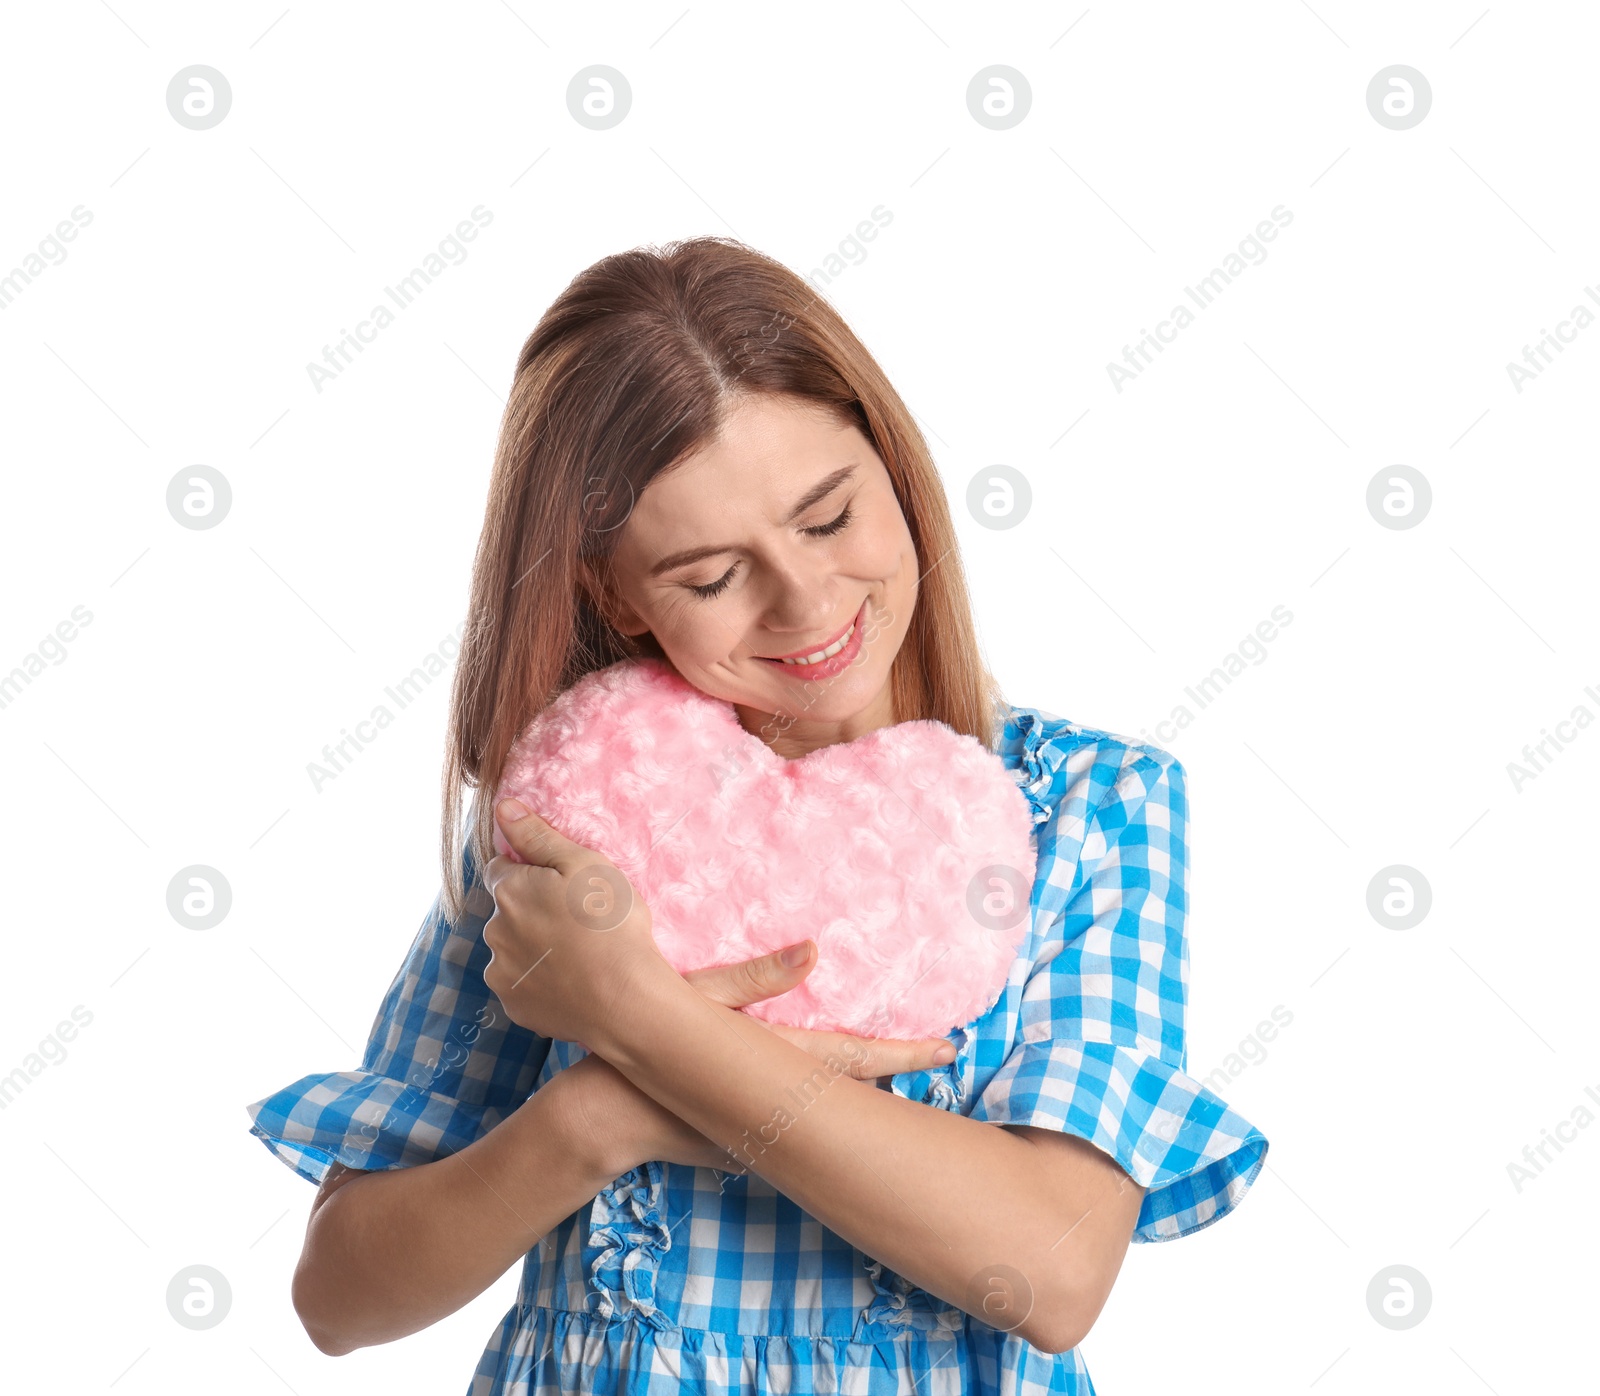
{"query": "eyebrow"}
pixel 820 491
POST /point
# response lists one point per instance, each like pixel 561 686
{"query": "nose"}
pixel 802 605
pixel 803 597
pixel 801 611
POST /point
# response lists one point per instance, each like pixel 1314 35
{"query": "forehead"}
pixel 769 453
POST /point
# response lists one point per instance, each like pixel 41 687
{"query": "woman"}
pixel 701 463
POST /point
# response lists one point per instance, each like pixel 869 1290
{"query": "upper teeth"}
pixel 828 653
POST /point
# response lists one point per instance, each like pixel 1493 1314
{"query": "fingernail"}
pixel 512 809
pixel 947 1053
pixel 795 955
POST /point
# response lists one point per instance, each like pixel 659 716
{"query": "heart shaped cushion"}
pixel 906 855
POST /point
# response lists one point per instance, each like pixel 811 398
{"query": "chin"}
pixel 826 700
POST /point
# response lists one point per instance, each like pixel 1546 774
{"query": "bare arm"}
pixel 1026 1231
pixel 389 1252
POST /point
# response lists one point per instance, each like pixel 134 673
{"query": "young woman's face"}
pixel 800 537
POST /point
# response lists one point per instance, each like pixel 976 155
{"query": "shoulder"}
pixel 1064 765
pixel 1087 788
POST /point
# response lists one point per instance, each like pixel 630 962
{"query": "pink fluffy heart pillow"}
pixel 906 854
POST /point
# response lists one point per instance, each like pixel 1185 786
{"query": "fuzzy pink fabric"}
pixel 873 848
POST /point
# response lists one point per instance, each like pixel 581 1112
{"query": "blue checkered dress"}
pixel 693 1279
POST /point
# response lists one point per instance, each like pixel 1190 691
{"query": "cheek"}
pixel 880 550
pixel 686 626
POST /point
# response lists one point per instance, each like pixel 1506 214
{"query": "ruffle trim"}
pixel 897 1303
pixel 628 1235
pixel 1037 764
pixel 542 1349
pixel 365 1120
pixel 1195 1156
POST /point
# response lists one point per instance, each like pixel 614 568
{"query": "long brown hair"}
pixel 631 369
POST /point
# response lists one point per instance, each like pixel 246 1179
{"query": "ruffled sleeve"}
pixel 1101 1047
pixel 443 1063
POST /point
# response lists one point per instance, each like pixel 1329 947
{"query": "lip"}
pixel 828 667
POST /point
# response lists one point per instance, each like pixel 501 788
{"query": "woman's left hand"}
pixel 866 1058
pixel 570 938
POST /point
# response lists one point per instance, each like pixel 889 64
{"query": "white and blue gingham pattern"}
pixel 679 1278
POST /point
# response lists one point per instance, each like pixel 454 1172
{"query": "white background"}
pixel 1170 519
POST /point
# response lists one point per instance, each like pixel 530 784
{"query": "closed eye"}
pixel 826 530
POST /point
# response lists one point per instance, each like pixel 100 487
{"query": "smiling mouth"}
pixel 826 652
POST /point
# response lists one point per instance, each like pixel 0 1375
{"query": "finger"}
pixel 750 981
pixel 495 871
pixel 872 1057
pixel 865 1058
pixel 535 841
pixel 500 868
